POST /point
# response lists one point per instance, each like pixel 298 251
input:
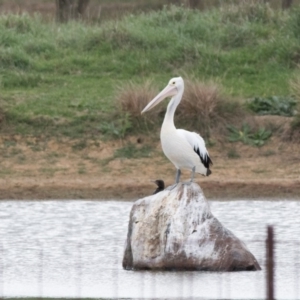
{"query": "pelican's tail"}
pixel 208 172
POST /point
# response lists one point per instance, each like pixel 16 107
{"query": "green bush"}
pixel 274 105
pixel 248 136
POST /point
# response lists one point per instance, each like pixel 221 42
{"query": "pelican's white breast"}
pixel 178 150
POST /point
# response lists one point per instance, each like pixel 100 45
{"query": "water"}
pixel 75 249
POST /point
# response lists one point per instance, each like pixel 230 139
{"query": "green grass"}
pixel 131 151
pixel 60 79
pixel 233 154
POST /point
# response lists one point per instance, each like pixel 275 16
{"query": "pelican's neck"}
pixel 169 117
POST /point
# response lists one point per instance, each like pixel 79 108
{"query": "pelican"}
pixel 185 149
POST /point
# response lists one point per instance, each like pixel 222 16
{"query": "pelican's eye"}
pixel 173 82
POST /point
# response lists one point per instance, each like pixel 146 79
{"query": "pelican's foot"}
pixel 187 182
pixel 170 188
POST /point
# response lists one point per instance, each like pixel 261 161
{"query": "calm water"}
pixel 75 248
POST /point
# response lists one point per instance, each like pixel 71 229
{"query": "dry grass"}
pixel 2 117
pixel 248 10
pixel 133 97
pixel 199 103
pixel 207 108
pixel 292 133
pixel 295 87
pixel 203 107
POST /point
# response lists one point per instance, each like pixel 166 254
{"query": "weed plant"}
pixel 282 106
pixel 240 135
pixel 118 128
pixel 248 136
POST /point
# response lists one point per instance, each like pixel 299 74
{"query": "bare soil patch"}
pixel 32 168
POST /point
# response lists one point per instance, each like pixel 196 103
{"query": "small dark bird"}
pixel 160 186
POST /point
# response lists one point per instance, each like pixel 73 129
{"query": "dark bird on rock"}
pixel 160 186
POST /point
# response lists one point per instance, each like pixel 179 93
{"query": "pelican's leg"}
pixel 193 174
pixel 192 177
pixel 178 173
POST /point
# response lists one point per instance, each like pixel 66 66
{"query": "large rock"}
pixel 175 230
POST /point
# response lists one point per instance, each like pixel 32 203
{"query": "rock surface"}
pixel 175 230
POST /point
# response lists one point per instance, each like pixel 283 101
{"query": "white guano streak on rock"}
pixel 198 228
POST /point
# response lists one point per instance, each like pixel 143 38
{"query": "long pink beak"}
pixel 168 91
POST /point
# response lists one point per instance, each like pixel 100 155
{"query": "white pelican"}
pixel 185 149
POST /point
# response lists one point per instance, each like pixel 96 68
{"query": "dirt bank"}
pixel 95 188
pixel 61 169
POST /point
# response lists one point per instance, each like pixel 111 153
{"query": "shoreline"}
pixel 132 190
pixel 60 172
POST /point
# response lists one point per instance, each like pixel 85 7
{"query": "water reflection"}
pixel 75 248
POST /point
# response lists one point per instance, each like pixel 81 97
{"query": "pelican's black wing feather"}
pixel 205 159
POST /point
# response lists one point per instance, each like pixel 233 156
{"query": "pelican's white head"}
pixel 177 81
pixel 175 86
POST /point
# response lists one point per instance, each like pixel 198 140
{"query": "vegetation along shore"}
pixel 72 93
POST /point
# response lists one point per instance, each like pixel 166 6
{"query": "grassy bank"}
pixel 61 79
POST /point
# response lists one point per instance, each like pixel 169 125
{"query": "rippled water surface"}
pixel 75 248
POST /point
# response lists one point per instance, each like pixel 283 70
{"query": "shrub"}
pixel 260 137
pixel 247 136
pixel 292 133
pixel 199 103
pixel 274 105
pixel 132 98
pixel 204 106
pixel 295 87
pixel 239 135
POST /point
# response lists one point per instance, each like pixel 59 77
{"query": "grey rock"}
pixel 175 230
